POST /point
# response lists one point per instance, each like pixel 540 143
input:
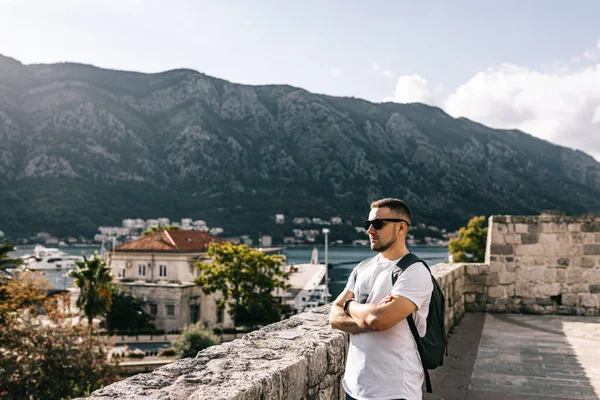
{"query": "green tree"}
pixel 246 279
pixel 155 229
pixel 469 246
pixel 5 260
pixel 193 339
pixel 93 278
pixel 127 313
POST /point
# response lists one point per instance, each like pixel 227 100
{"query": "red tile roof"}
pixel 172 241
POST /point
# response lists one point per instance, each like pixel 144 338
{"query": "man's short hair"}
pixel 396 205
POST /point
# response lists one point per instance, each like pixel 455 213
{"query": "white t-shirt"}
pixel 385 365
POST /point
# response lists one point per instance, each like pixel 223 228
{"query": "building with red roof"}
pixel 158 269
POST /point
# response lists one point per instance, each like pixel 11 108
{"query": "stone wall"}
pixel 300 358
pixel 538 264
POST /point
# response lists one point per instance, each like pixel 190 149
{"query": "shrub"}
pixel 194 339
pixel 469 246
pixel 167 352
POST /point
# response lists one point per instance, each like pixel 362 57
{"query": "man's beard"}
pixel 384 247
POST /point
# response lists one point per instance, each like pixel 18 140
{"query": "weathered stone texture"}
pixel 553 266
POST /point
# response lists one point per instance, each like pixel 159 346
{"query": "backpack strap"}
pixel 403 264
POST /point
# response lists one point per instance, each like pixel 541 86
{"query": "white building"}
pixel 159 270
pixel 164 221
pixel 279 218
pixel 335 221
pixel 128 223
pixel 151 223
pixel 266 241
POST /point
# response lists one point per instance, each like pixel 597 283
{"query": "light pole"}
pixel 326 233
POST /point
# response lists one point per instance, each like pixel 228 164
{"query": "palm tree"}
pixel 5 260
pixel 93 278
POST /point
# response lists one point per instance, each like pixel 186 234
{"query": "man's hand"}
pixel 382 316
pixel 338 318
pixel 386 299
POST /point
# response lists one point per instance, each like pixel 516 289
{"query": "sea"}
pixel 341 258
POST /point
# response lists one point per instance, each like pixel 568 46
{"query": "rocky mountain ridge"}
pixel 82 146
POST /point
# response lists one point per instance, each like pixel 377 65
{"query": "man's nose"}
pixel 371 230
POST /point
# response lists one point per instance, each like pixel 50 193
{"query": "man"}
pixel 383 362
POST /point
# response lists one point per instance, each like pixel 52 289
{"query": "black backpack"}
pixel 431 346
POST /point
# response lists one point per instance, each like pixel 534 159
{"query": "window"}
pixel 153 309
pixel 220 316
pixel 170 310
pixel 162 270
pixel 141 270
pixel 193 314
pixel 121 272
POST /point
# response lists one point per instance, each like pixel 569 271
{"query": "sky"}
pixel 532 65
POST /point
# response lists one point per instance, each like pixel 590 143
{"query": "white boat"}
pixel 53 264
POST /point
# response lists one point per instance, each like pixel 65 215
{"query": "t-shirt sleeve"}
pixel 351 281
pixel 415 284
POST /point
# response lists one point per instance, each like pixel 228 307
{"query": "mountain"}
pixel 82 146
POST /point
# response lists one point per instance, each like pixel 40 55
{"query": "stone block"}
pixel 574 227
pixel 569 299
pixel 521 228
pixel 588 300
pixel 511 290
pixel 563 261
pixel 501 249
pixel 577 238
pixel 590 227
pixel 574 275
pixel 561 275
pixel 510 267
pixel 470 297
pixel 491 279
pixel 534 228
pixel 506 278
pixel 563 237
pixel 587 262
pixel 543 301
pixel 512 238
pixel 497 291
pixel 594 288
pixel 591 276
pixel 496 267
pixel 591 249
pixel 530 238
pixel 597 237
pixel 501 227
pixel 497 238
pixel 472 269
pixel 547 289
pixel 528 302
pixel 474 288
pixel 529 250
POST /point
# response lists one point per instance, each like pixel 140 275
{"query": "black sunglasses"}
pixel 378 223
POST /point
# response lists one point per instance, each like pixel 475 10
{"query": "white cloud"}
pixel 335 72
pixel 412 89
pixel 561 105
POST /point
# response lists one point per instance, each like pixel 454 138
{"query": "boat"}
pixel 53 264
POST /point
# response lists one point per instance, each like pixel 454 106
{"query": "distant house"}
pixel 159 270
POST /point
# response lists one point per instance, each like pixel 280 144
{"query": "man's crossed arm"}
pixel 369 317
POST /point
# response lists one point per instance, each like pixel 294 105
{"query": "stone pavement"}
pixel 520 357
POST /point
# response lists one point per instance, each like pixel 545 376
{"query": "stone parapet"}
pixel 297 359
